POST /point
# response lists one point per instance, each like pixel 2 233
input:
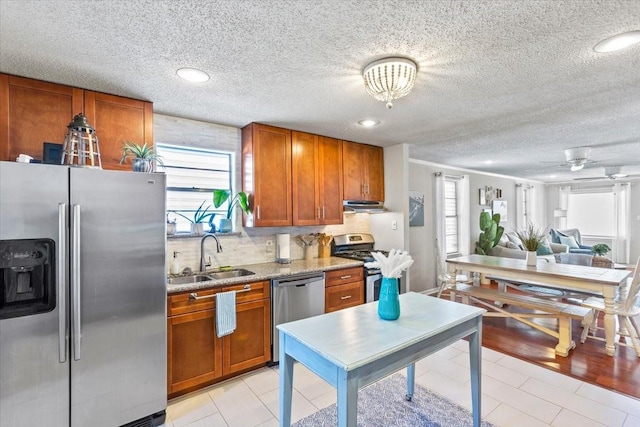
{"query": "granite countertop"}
pixel 270 270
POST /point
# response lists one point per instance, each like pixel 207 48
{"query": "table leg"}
pixel 347 400
pixel 286 383
pixel 609 321
pixel 475 349
pixel 411 381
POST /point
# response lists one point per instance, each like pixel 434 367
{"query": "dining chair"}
pixel 444 278
pixel 626 308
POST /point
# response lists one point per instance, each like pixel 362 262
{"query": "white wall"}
pixel 421 239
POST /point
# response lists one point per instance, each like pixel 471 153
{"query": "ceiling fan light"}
pixel 618 42
pixel 389 78
pixel 577 167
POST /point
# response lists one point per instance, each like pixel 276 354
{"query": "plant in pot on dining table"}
pixel 531 238
pixel 391 268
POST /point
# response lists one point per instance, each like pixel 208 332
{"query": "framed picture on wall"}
pixel 416 209
pixel 500 207
pixel 482 197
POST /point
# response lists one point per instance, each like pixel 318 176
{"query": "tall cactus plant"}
pixel 490 234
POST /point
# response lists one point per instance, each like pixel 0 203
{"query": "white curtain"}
pixel 621 239
pixel 521 213
pixel 464 220
pixel 438 192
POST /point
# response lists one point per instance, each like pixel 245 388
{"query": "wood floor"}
pixel 587 362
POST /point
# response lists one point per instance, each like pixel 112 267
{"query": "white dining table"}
pixel 604 281
pixel 353 347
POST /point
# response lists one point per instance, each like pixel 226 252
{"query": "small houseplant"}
pixel 142 156
pixel 531 237
pixel 490 234
pixel 240 199
pixel 200 216
pixel 600 249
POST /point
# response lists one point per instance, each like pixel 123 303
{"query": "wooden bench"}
pixel 564 312
pixel 542 290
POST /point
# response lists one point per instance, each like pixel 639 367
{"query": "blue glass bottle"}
pixel 389 303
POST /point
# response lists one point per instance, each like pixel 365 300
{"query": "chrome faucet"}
pixel 203 265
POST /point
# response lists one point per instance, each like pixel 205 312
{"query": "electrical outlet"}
pixel 394 225
pixel 269 245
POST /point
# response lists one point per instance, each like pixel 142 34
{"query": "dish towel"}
pixel 225 313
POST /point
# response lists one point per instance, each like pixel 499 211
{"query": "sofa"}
pixel 511 247
pixel 572 239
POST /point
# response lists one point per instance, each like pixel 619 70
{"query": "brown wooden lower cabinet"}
pixel 196 357
pixel 343 288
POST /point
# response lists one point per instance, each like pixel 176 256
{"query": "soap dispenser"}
pixel 175 264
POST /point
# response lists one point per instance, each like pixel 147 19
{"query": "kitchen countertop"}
pixel 270 270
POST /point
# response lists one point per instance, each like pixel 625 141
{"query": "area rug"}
pixel 382 404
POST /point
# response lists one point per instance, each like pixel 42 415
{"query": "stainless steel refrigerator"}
pixel 82 297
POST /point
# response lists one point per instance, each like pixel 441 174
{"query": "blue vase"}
pixel 389 303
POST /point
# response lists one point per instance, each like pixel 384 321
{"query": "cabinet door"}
pixel 33 112
pixel 194 351
pixel 117 119
pixel 352 167
pixel 329 159
pixel 250 344
pixel 266 172
pixel 304 169
pixel 343 296
pixel 373 159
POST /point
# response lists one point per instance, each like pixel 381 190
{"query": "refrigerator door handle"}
pixel 76 331
pixel 62 298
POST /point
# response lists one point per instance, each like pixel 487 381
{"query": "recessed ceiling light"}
pixel 553 176
pixel 368 123
pixel 617 42
pixel 488 162
pixel 192 75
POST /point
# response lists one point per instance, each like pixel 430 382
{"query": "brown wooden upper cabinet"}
pixel 316 179
pixel 363 168
pixel 33 112
pixel 266 175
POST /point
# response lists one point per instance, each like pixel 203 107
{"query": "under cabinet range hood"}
pixel 363 206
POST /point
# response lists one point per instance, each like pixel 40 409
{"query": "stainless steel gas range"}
pixel 359 246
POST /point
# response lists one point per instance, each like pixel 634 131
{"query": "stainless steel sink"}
pixel 211 275
pixel 228 274
pixel 184 280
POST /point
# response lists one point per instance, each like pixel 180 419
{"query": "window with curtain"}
pixel 592 212
pixel 192 175
pixel 452 216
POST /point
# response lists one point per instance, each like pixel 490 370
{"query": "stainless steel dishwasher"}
pixel 294 298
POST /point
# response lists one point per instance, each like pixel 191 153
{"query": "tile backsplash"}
pixel 250 246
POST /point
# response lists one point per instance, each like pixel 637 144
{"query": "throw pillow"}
pixel 569 241
pixel 513 238
pixel 512 245
pixel 544 248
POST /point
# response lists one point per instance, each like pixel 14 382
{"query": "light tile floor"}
pixel 514 393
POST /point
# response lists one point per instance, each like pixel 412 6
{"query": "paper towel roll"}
pixel 283 249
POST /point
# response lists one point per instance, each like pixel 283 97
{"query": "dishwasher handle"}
pixel 297 282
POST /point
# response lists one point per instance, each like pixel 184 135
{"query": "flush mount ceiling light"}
pixel 577 157
pixel 368 123
pixel 192 75
pixel 390 78
pixel 617 42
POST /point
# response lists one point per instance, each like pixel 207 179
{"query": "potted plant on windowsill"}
pixel 531 237
pixel 240 199
pixel 142 156
pixel 200 217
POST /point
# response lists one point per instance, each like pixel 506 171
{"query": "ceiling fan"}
pixel 612 172
pixel 577 157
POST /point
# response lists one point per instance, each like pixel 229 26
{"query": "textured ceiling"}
pixel 514 82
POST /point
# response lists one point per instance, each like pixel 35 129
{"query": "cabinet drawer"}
pixel 247 292
pixel 346 275
pixel 182 304
pixel 343 296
